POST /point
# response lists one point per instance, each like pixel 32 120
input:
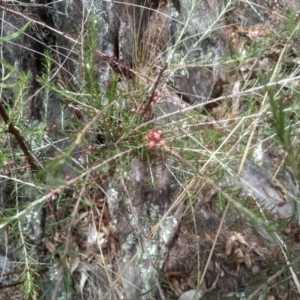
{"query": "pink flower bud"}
pixel 157 94
pixel 93 149
pixel 152 144
pixel 156 136
pixel 162 143
pixel 150 135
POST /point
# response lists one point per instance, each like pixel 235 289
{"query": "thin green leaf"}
pixel 16 34
pixel 13 69
pixel 7 86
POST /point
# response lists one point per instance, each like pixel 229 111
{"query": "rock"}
pixel 191 295
pixel 271 195
pixel 168 106
pixel 197 84
pixel 144 243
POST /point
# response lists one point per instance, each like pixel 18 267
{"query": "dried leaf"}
pixel 83 219
pixel 247 260
pixel 217 267
pixel 236 99
pixel 175 287
pixel 238 256
pixel 208 237
pixel 106 230
pixel 103 260
pixel 208 195
pixel 50 246
pixel 255 269
pixel 241 239
pixel 90 250
pixel 228 247
pixel 83 279
pixel 98 201
pixel 73 264
pixel 219 112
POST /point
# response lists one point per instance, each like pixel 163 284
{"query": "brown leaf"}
pixel 103 260
pixel 238 256
pixel 230 242
pixel 241 239
pixel 248 261
pixel 90 250
pixel 50 246
pixel 219 111
pixel 175 287
pixel 208 195
pixel 255 269
pixel 73 264
pixel 228 247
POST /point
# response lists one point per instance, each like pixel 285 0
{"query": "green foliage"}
pixel 29 277
pixel 90 75
pixel 16 34
pixel 292 22
pixel 284 130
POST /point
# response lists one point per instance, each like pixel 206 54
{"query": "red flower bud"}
pixel 152 144
pixel 156 136
pixel 162 143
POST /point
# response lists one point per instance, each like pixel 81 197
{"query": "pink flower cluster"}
pixel 154 139
pixel 156 96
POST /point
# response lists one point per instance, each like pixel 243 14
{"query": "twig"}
pixel 109 58
pixel 19 138
pixel 22 182
pixel 219 99
pixel 68 183
pixel 270 279
pixel 154 88
pixel 67 244
pixel 10 285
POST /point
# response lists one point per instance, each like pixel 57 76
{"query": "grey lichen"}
pixel 32 225
pixel 113 203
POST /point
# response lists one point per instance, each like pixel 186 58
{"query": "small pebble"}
pixel 191 295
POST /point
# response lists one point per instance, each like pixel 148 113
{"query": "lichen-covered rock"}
pixel 269 193
pixel 139 208
pixel 191 295
pixel 202 43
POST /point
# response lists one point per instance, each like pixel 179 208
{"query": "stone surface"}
pixel 191 295
pixel 271 195
pixel 145 231
pixel 203 43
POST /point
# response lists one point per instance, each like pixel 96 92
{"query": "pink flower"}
pixel 154 139
pixel 156 96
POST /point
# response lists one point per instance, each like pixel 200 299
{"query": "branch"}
pixel 19 138
pixel 110 59
pixel 154 88
pixel 270 279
